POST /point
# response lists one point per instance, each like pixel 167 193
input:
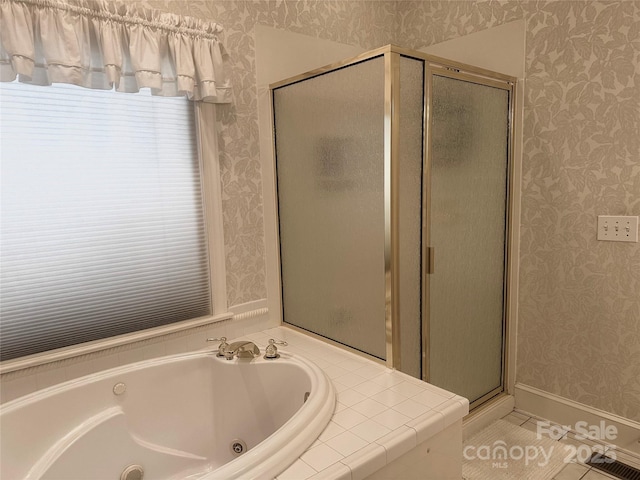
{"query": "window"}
pixel 101 216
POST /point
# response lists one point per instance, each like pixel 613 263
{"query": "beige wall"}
pixel 579 299
pixel 579 303
pixel 579 323
pixel 579 327
pixel 348 22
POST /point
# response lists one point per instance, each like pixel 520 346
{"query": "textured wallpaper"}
pixel 579 299
pixel 579 324
pixel 423 23
pixel 579 320
pixel 364 23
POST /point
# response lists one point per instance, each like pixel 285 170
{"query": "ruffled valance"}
pixel 104 44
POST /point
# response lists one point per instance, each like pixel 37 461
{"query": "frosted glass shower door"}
pixel 467 230
pixel 330 179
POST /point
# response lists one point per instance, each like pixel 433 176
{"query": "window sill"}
pixel 107 343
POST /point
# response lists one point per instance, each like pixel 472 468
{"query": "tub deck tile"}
pixel 337 471
pixel 321 457
pixel 366 461
pixel 381 414
pixel 398 442
pixel 297 471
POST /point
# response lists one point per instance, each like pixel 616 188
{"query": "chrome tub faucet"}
pixel 241 349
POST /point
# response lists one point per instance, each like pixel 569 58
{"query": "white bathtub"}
pixel 177 419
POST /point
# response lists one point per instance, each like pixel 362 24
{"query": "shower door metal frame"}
pixel 502 82
pixel 391 165
pixel 432 65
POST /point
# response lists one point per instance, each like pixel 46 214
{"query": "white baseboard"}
pixel 567 412
pixel 486 414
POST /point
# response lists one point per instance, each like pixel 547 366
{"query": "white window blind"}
pixel 102 229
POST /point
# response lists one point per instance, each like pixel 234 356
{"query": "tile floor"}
pixel 578 450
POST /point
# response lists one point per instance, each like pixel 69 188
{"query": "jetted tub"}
pixel 177 417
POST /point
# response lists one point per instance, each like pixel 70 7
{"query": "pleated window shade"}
pixel 101 216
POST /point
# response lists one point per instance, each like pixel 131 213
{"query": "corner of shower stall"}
pixel 393 192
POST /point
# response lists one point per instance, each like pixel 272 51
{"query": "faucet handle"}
pixel 223 345
pixel 271 352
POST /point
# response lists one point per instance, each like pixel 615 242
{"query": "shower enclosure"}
pixel 393 180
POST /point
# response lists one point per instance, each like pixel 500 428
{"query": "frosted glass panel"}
pixel 468 198
pixel 329 159
pixel 411 119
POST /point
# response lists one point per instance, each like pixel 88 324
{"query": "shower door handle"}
pixel 431 260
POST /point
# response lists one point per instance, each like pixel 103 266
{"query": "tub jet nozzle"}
pixel 132 472
pixel 238 447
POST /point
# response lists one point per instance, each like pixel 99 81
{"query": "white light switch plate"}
pixel 617 229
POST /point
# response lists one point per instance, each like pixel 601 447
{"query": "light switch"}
pixel 618 228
